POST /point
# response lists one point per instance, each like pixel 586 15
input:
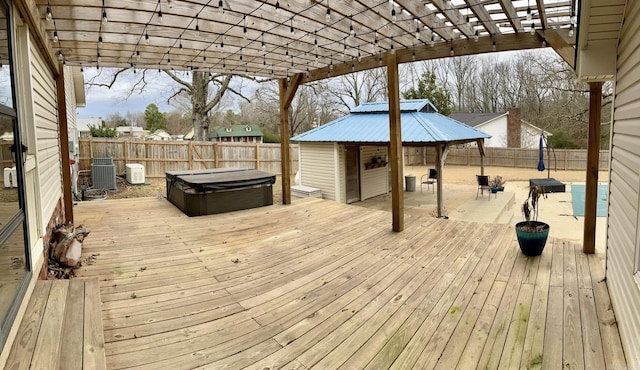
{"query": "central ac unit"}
pixel 135 173
pixel 103 173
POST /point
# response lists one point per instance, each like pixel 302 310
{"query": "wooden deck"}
pixel 61 329
pixel 323 285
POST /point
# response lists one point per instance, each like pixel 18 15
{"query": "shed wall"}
pixel 375 181
pixel 318 164
pixel 623 239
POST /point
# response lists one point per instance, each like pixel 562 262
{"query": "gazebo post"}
pixel 482 155
pixel 287 92
pixel 395 143
pixel 441 157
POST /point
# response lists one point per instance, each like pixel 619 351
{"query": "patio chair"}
pixel 429 179
pixel 483 184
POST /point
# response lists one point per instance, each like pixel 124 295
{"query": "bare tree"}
pixel 354 89
pixel 203 90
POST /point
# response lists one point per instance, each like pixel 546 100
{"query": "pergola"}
pixel 300 41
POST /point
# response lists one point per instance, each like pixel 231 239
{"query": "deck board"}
pixel 318 284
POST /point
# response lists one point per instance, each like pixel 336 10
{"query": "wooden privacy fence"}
pixel 564 159
pixel 157 157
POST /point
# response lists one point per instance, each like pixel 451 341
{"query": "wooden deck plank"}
pixel 494 345
pixel 554 330
pixel 593 351
pixel 46 354
pixel 534 340
pixel 573 351
pixel 25 342
pixel 73 330
pixel 317 283
pixel 613 354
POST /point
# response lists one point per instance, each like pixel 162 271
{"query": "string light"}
pixel 359 56
pixel 99 41
pixel 104 14
pixel 180 40
pixel 99 58
pixel 159 12
pixel 417 30
pixel 55 36
pixel 529 15
pixel 278 7
pixel 146 37
pixel 49 15
pixel 493 45
pixel 263 44
pixel 393 51
pixel 433 39
pixel 60 55
pixel 571 30
pixel 137 55
pixel 244 27
pixel 197 29
pixel 533 28
pixel 476 36
pixel 394 18
pixel 328 16
pixel 220 7
pixel 293 31
pixel 352 32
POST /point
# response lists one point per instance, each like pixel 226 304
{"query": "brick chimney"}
pixel 514 128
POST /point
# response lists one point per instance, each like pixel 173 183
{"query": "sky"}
pixel 102 101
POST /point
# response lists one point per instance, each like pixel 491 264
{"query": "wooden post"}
pixel 125 152
pixel 287 92
pixel 257 156
pixel 64 149
pixel 395 143
pixel 216 155
pixel 190 154
pixel 90 151
pixel 439 178
pixel 593 152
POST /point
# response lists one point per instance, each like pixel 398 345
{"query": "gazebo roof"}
pixel 421 125
pixel 277 39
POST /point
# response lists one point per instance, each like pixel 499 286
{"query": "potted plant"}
pixel 497 184
pixel 532 234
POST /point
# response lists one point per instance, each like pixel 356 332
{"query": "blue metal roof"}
pixel 417 105
pixel 373 127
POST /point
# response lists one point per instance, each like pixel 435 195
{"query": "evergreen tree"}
pixel 427 88
pixel 153 118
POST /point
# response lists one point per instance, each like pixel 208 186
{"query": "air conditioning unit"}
pixel 103 173
pixel 135 173
pixel 10 180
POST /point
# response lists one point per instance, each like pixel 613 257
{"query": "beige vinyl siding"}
pixel 373 182
pixel 317 167
pixel 341 174
pixel 623 240
pixel 70 98
pixel 47 139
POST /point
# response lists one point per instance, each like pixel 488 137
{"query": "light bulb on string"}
pixel 476 36
pixel 394 18
pixel 571 31
pixel 493 45
pixel 146 37
pixel 328 16
pixel 104 17
pixel 359 56
pixel 533 29
pixel 417 32
pixel 433 39
pixel 352 32
pixel 293 31
pixel 278 7
pixel 451 52
pixel 99 41
pixel 48 15
pixel 220 7
pixel 60 55
pixel 197 28
pixel 55 36
pixel 99 58
pixel 137 55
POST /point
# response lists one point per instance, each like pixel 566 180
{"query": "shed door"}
pixel 352 174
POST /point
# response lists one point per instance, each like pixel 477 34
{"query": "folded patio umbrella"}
pixel 541 156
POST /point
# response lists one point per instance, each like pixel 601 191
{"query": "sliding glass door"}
pixel 14 256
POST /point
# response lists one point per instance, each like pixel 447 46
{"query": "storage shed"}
pixel 347 158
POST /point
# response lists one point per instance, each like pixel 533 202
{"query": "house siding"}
pixel 375 181
pixel 317 167
pixel 45 117
pixel 341 174
pixel 623 239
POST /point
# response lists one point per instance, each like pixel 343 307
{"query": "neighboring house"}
pixel 83 126
pixel 158 135
pixel 347 158
pixel 507 129
pixel 236 134
pixel 133 132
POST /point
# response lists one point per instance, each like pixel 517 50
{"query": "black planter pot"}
pixel 532 242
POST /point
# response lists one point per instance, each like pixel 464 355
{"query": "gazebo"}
pixel 368 127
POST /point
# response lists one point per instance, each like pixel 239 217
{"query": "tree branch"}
pixel 216 99
pixel 107 85
pixel 187 85
pixel 175 94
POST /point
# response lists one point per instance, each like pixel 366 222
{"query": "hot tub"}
pixel 205 192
